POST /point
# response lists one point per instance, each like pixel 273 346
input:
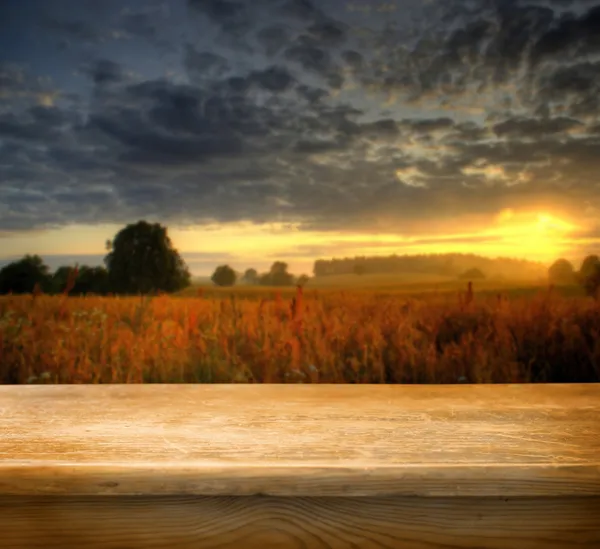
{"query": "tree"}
pixel 589 266
pixel 60 278
pixel 224 275
pixel 91 280
pixel 472 274
pixel 589 275
pixel 142 259
pixel 87 280
pixel 21 277
pixel 561 272
pixel 303 280
pixel 277 276
pixel 250 276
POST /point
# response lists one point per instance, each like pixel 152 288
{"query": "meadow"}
pixel 435 332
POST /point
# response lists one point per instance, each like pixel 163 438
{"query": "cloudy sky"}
pixel 301 129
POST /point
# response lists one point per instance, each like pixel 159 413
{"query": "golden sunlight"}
pixel 534 235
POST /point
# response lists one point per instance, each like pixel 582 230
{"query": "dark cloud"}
pixel 39 124
pixel 312 95
pixel 19 88
pixel 231 16
pixel 11 77
pixel 432 125
pixel 298 111
pixel 147 23
pixel 204 64
pixel 273 38
pixel 302 9
pixel 570 36
pixel 308 53
pixel 535 128
pixel 143 141
pixel 274 79
pixel 353 58
pixel 516 30
pixel 595 129
pixel 311 57
pixel 219 10
pixel 327 33
pixel 574 87
pixel 105 71
pixel 384 127
pixel 77 31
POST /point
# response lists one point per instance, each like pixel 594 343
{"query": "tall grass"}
pixel 333 337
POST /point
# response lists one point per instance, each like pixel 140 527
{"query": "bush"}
pixel 224 275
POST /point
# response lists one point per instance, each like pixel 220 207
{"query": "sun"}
pixel 533 234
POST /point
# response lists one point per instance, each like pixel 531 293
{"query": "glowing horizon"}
pixel 534 235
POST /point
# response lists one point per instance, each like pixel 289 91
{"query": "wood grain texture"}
pixel 122 522
pixel 300 440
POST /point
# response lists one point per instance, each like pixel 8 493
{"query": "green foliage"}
pixel 21 277
pixel 60 278
pixel 91 280
pixel 224 275
pixel 142 259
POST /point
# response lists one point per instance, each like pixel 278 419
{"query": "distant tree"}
pixel 142 259
pixel 250 276
pixel 589 275
pixel 561 272
pixel 302 280
pixel 359 269
pixel 472 274
pixel 60 278
pixel 91 280
pixel 589 266
pixel 86 280
pixel 21 277
pixel 224 275
pixel 277 276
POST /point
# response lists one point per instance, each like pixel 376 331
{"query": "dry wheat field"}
pixel 309 337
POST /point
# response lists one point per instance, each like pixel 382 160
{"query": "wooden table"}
pixel 300 466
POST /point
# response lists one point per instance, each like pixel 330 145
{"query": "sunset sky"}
pixel 262 130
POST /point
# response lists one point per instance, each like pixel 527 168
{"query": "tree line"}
pixel 277 275
pixel 141 259
pixel 448 264
pixel 562 272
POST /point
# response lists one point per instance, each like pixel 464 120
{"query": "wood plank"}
pixel 300 440
pixel 160 522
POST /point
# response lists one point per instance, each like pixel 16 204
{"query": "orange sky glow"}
pixel 536 235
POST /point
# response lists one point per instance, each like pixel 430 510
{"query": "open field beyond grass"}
pixel 262 335
pixel 393 285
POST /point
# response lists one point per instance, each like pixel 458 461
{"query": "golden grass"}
pixel 318 336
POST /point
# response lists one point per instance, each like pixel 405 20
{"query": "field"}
pixel 398 334
pixel 392 285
